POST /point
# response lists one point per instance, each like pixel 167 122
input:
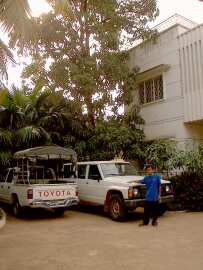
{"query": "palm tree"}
pixel 15 19
pixel 16 131
pixel 37 117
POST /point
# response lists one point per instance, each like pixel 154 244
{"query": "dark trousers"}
pixel 151 210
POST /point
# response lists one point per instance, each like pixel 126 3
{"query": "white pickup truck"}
pixel 114 185
pixel 36 188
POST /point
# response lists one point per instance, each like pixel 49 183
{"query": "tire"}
pixel 59 211
pixel 162 209
pixel 116 209
pixel 16 208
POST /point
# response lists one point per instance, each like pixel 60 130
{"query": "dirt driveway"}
pixel 88 240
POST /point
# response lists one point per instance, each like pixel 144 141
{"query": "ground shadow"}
pixel 98 211
pixel 39 214
pixel 30 213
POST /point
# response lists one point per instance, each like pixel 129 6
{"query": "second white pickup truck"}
pixel 114 185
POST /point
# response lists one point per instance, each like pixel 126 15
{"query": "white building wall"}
pixel 191 59
pixel 166 118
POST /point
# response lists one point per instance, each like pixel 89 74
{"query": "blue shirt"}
pixel 152 183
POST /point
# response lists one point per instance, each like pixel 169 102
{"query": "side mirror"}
pixel 96 177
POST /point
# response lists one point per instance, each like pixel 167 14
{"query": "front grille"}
pixel 163 190
pixel 142 191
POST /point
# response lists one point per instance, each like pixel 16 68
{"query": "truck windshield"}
pixel 118 169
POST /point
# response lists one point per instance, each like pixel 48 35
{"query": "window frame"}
pixel 86 169
pixel 10 177
pixel 151 81
pixel 88 173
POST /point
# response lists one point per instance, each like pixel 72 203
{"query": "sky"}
pixel 191 9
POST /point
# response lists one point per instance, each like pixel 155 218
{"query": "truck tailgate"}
pixel 54 192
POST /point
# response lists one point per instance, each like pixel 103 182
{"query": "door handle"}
pixel 2 186
pixel 87 183
pixel 8 187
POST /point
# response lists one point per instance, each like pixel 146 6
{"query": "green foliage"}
pixel 161 153
pixel 5 138
pixel 115 137
pixel 188 160
pixel 84 58
pixel 188 191
pixel 31 135
pixel 79 70
pixel 109 139
pixel 194 160
pixel 43 117
pixel 188 185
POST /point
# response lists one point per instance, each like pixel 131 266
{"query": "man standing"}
pixel 151 205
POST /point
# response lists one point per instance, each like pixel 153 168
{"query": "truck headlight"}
pixel 167 188
pixel 133 192
pixel 136 192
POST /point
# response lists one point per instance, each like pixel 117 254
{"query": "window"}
pixel 67 171
pixel 94 173
pixel 10 176
pixel 82 171
pixel 151 90
pixel 39 174
pixel 48 173
pixel 3 175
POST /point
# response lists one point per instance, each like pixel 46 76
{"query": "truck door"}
pixel 2 183
pixel 81 182
pixel 7 185
pixel 94 185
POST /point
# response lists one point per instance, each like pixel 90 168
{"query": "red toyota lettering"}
pixel 46 193
pixel 58 193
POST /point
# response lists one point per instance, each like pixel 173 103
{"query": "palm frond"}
pixel 19 98
pixel 36 92
pixel 6 56
pixel 31 134
pixel 5 158
pixel 16 21
pixel 5 137
pixel 14 14
pixel 5 100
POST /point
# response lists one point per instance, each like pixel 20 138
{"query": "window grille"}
pixel 151 90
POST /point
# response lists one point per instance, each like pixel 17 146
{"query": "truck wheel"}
pixel 117 209
pixel 59 211
pixel 162 209
pixel 16 208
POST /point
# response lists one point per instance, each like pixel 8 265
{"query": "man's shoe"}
pixel 142 224
pixel 154 223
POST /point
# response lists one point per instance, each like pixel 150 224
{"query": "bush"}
pixel 161 153
pixel 188 192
